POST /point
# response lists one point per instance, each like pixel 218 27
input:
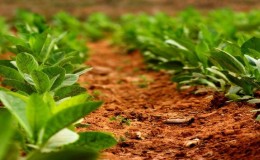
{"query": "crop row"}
pixel 44 101
pixel 220 49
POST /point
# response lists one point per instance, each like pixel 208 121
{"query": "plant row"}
pixel 220 49
pixel 42 100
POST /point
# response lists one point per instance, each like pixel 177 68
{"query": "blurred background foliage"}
pixel 81 8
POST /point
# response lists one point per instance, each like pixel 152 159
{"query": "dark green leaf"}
pixel 95 140
pixel 10 73
pixel 20 86
pixel 68 154
pixel 227 62
pixel 252 43
pixel 68 91
pixel 55 71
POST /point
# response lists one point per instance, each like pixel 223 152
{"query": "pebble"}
pixel 179 120
pixel 192 143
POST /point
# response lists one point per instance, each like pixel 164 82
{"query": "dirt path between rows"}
pixel 137 102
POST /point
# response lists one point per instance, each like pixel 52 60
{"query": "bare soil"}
pixel 138 103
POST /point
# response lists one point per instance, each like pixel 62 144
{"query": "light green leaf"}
pixel 217 72
pixel 253 101
pixel 6 131
pixel 76 100
pixel 37 112
pixel 26 63
pixel 202 50
pixel 67 117
pixel 176 44
pixel 15 40
pixel 41 81
pixel 48 46
pixel 63 137
pixel 70 79
pixel 82 71
pixel 16 104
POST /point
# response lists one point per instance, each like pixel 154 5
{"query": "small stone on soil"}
pixel 179 120
pixel 192 143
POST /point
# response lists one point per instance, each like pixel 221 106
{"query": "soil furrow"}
pixel 137 102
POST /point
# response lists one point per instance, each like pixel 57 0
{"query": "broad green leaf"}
pixel 70 79
pixel 13 152
pixel 49 100
pixel 6 131
pixel 16 41
pixel 6 63
pixel 176 44
pixel 55 71
pixel 36 42
pixel 65 154
pixel 48 46
pixel 82 71
pixel 16 104
pixel 76 100
pixel 10 73
pixel 46 49
pixel 202 50
pixel 217 72
pixel 68 91
pixel 26 63
pixel 255 100
pixel 37 112
pixel 171 65
pixel 65 60
pixel 63 137
pixel 244 84
pixel 22 49
pixel 95 140
pixel 41 81
pixel 19 85
pixel 252 44
pixel 227 62
pixel 67 117
pixel 68 67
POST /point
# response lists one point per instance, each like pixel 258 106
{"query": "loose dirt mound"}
pixel 139 104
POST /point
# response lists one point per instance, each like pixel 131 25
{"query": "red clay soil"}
pixel 215 129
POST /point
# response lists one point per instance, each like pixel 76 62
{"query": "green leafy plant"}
pixel 48 126
pixel 122 120
pixel 41 66
pixel 4 29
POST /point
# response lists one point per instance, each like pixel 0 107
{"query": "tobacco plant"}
pixel 41 65
pixel 200 50
pixel 45 127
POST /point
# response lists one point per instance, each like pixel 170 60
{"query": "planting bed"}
pixel 161 87
pixel 139 103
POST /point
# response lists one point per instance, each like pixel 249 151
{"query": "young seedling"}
pixel 122 120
